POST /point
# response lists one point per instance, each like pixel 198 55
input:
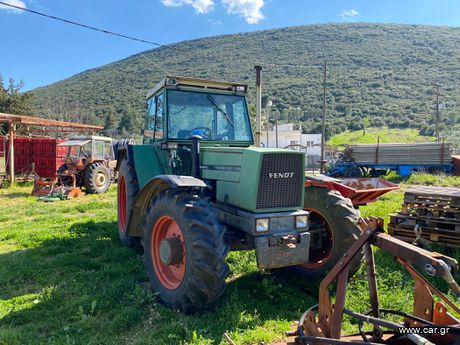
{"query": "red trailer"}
pixel 2 146
pixel 39 155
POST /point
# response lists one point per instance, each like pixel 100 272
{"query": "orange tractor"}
pixel 89 163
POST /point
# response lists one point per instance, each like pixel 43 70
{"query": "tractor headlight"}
pixel 262 224
pixel 301 222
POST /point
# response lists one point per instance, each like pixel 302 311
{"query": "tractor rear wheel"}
pixel 185 250
pixel 353 172
pixel 333 225
pixel 96 178
pixel 127 189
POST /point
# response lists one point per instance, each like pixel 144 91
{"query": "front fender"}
pixel 152 188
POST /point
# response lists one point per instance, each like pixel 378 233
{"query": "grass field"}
pixel 385 135
pixel 65 279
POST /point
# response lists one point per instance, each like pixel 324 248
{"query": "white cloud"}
pixel 200 6
pixel 214 22
pixel 248 9
pixel 17 3
pixel 348 14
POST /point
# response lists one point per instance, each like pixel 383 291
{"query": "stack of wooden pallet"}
pixel 433 213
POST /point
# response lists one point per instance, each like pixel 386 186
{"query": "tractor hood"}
pixel 255 179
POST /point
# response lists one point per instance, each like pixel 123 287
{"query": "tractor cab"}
pixel 83 150
pixel 180 108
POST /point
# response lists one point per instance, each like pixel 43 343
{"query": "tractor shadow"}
pixel 17 195
pixel 27 270
pixel 44 288
pixel 54 285
pixel 264 296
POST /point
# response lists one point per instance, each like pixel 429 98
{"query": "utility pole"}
pixel 268 126
pixel 276 129
pixel 267 109
pixel 300 127
pixel 437 119
pixel 323 123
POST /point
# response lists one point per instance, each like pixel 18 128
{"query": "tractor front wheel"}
pixel 96 178
pixel 333 227
pixel 66 180
pixel 185 250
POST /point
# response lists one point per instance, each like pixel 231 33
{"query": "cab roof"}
pixel 82 140
pixel 170 81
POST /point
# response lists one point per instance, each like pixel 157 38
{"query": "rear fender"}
pixel 123 148
pixel 149 191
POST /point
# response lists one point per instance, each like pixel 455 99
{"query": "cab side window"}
pixel 159 124
pixel 107 150
pixel 98 149
pixel 151 108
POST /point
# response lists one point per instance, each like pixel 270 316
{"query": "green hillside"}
pixel 381 72
pixel 384 135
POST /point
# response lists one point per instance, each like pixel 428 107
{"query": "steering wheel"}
pixel 206 132
pixel 221 136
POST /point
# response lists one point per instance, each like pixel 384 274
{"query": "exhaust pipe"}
pixel 196 156
pixel 258 102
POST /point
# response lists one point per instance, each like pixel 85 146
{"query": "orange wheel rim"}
pixel 319 257
pixel 121 196
pixel 169 275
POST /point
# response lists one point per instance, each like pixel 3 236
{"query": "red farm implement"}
pixel 360 191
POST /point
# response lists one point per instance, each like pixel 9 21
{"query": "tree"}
pixel 12 101
pixel 365 124
pixel 110 122
pixel 130 120
pixel 264 101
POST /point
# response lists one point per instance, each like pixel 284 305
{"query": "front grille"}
pixel 280 183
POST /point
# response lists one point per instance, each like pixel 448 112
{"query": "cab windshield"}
pixel 80 151
pixel 211 116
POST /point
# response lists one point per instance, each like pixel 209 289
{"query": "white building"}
pixel 287 136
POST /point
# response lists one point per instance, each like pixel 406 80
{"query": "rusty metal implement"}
pixel 322 324
pixel 57 187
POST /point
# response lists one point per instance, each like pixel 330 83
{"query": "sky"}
pixel 40 51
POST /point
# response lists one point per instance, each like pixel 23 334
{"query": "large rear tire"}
pixel 127 189
pixel 96 178
pixel 353 172
pixel 333 224
pixel 185 250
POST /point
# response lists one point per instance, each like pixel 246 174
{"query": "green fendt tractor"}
pixel 198 188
